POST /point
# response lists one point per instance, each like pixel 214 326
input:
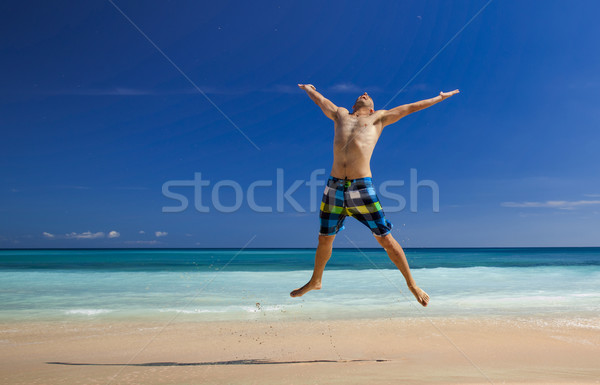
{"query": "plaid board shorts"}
pixel 355 198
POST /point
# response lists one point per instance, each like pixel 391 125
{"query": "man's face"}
pixel 364 100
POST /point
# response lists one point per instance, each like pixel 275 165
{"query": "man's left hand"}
pixel 446 95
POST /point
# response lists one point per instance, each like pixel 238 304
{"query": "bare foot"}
pixel 306 288
pixel 420 295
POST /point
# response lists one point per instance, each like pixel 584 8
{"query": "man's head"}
pixel 364 101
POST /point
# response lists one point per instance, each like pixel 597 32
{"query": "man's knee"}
pixel 386 241
pixel 326 239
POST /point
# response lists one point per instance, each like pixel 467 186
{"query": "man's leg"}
pixel 322 256
pixel 396 254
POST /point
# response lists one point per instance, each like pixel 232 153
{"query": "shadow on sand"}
pixel 232 362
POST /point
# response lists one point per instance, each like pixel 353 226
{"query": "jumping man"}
pixel 350 190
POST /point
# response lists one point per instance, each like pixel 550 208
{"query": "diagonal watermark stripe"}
pixel 438 52
pixel 177 313
pixel 426 65
pixel 184 75
pixel 420 310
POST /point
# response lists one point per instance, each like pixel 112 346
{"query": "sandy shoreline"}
pixel 382 351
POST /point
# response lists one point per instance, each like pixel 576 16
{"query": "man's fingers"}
pixel 306 86
pixel 448 94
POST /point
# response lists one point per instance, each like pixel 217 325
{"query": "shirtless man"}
pixel 349 190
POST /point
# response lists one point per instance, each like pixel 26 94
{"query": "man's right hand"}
pixel 329 109
pixel 306 87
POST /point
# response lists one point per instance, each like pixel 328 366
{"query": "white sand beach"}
pixel 380 351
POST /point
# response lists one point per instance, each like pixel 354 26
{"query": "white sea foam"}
pixel 346 293
pixel 192 311
pixel 88 312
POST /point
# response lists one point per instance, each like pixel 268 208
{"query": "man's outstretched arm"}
pixel 395 114
pixel 329 109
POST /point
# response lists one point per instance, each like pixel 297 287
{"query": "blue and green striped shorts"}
pixel 355 198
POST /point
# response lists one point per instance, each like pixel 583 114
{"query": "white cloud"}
pixel 351 88
pixel 345 87
pixel 142 232
pixel 563 205
pixel 114 234
pixel 161 233
pixel 419 87
pixel 283 89
pixel 85 235
pixel 336 88
pixel 48 235
pixel 132 188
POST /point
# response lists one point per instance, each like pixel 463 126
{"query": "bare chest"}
pixel 358 128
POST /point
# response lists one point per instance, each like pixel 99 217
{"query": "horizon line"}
pixel 294 248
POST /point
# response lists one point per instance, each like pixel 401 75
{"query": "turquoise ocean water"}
pixel 223 284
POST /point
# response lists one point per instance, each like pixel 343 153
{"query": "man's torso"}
pixel 353 144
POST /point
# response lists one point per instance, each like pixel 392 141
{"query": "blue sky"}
pixel 95 120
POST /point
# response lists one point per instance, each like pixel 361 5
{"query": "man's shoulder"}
pixel 379 114
pixel 341 113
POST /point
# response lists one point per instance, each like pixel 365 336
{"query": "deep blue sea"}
pixel 227 284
